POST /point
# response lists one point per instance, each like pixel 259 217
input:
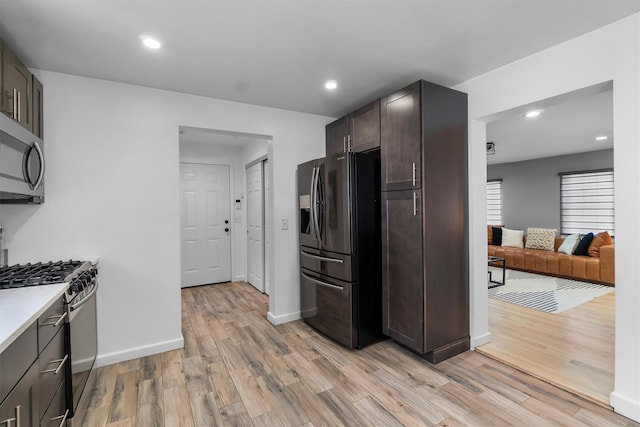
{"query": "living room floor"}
pixel 573 350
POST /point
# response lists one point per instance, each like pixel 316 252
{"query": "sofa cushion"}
pixel 496 236
pixel 583 246
pixel 599 240
pixel 541 238
pixel 512 238
pixel 570 244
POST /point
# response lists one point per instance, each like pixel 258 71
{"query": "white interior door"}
pixel 255 229
pixel 205 225
pixel 267 227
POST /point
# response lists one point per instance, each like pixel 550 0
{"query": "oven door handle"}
pixel 84 299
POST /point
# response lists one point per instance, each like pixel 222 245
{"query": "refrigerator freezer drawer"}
pixel 327 305
pixel 331 264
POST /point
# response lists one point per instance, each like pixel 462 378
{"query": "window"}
pixel 586 202
pixel 494 202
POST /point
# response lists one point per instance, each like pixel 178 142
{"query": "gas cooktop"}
pixel 21 275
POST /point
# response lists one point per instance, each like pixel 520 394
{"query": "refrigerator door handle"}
pixel 321 258
pixel 316 205
pixel 312 211
pixel 321 283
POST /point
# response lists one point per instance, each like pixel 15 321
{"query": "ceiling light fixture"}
pixel 532 114
pixel 331 84
pixel 602 138
pixel 150 42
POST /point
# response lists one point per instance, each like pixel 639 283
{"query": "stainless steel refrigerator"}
pixel 340 247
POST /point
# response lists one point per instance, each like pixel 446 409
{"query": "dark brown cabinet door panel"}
pixel 364 132
pixel 402 280
pixel 336 137
pixel 401 140
pixel 16 89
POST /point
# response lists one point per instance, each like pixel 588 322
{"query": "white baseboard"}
pixel 134 353
pixel 624 406
pixel 284 318
pixel 240 278
pixel 481 340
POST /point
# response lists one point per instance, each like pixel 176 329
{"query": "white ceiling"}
pixel 278 53
pixel 567 124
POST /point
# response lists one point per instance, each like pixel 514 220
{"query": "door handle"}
pixel 226 229
pixel 226 221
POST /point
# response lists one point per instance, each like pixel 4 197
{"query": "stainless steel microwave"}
pixel 21 164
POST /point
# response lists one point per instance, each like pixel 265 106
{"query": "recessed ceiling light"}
pixel 532 114
pixel 602 138
pixel 331 84
pixel 150 42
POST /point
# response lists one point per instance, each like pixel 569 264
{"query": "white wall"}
pixel 609 53
pixel 112 190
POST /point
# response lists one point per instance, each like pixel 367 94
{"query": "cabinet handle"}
pixel 15 102
pixel 57 322
pixel 415 204
pixel 16 418
pixel 413 172
pixel 348 142
pixel 344 144
pixel 62 417
pixel 56 370
pixel 19 104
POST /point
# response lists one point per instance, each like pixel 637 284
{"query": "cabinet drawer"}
pixel 56 414
pixel 16 359
pixel 50 323
pixel 52 364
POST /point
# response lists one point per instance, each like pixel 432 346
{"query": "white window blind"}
pixel 587 203
pixel 494 202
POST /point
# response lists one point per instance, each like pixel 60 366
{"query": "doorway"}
pixel 205 229
pixel 573 349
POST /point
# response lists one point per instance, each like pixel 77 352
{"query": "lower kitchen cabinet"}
pixel 33 372
pixel 20 408
pixel 402 283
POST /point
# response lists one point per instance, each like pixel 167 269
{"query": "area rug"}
pixel 545 293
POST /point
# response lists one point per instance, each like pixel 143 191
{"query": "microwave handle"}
pixel 41 156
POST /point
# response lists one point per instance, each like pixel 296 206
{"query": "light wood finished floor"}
pixel 573 349
pixel 239 370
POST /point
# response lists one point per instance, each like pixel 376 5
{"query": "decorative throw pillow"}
pixel 541 238
pixel 583 246
pixel 512 238
pixel 599 239
pixel 496 236
pixel 570 243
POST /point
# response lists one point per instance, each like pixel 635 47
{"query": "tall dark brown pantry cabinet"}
pixel 425 280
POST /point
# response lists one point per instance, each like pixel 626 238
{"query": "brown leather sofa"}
pixel 577 267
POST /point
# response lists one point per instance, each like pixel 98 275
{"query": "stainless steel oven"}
pixel 82 341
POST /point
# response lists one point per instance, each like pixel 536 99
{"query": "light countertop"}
pixel 20 307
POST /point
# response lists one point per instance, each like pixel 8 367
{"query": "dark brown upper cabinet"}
pixel 357 132
pixel 401 139
pixel 16 89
